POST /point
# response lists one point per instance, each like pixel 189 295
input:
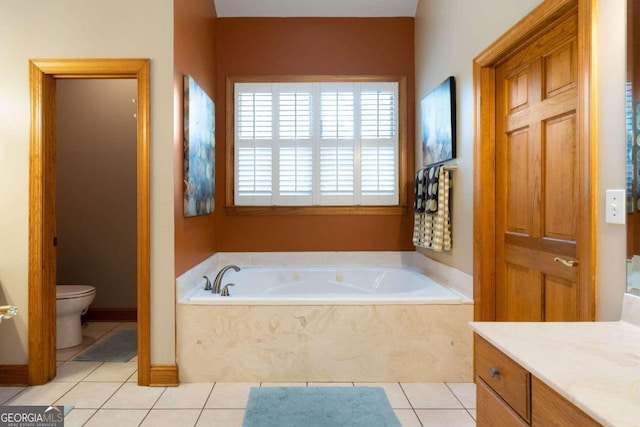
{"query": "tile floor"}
pixel 106 394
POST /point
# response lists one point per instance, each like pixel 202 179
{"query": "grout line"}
pixel 143 418
pixel 411 405
pixel 199 416
pixel 160 397
pixel 208 397
pixel 108 398
pixel 472 417
pixel 455 395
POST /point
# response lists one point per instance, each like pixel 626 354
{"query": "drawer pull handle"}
pixel 493 372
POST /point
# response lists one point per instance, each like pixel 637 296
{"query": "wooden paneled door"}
pixel 533 248
pixel 537 179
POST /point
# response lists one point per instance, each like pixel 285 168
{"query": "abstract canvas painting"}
pixel 199 150
pixel 439 124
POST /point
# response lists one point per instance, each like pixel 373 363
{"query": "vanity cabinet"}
pixel 508 395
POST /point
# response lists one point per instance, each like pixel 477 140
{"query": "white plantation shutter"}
pixel 295 113
pixel 295 148
pixel 254 111
pixel 254 172
pixel 337 151
pixel 379 136
pixel 303 144
pixel 337 105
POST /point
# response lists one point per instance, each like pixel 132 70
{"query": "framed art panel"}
pixel 438 119
pixel 199 150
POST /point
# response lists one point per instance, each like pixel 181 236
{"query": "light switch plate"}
pixel 616 211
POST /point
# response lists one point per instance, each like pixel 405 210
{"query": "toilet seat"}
pixel 73 291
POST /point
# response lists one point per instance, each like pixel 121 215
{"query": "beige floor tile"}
pixel 445 418
pixel 465 392
pixel 113 371
pixel 188 395
pixel 430 396
pixel 330 384
pixel 133 378
pixel 97 330
pixel 221 417
pixel 89 395
pixel 132 396
pixel 117 417
pixel 407 418
pixel 171 418
pixel 230 395
pixel 7 393
pixel 42 394
pixel 473 414
pixel 78 417
pixel 75 371
pixel 394 392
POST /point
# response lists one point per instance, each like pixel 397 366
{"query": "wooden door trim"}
pixel 484 87
pixel 42 291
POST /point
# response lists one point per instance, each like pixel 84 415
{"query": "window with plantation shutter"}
pixel 316 143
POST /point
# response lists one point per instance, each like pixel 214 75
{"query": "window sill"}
pixel 316 210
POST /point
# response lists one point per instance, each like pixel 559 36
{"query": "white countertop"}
pixel 594 365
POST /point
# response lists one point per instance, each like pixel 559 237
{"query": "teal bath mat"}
pixel 319 407
pixel 120 347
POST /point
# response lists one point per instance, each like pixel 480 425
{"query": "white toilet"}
pixel 71 302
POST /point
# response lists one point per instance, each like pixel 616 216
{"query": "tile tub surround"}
pixel 289 343
pixel 371 343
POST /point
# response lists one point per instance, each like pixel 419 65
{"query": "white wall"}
pixel 449 34
pixel 83 29
pixel 610 69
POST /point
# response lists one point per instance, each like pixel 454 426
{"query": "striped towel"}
pixel 433 230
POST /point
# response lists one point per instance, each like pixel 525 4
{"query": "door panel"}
pixel 537 179
pixel 560 69
pixel 524 294
pixel 560 178
pixel 518 209
pixel 561 299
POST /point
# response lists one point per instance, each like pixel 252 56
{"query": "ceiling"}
pixel 315 8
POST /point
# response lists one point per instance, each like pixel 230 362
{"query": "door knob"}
pixel 566 263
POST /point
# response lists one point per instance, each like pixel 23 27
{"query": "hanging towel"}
pixel 426 191
pixel 432 230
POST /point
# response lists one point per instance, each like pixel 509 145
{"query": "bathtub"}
pixel 343 323
pixel 337 285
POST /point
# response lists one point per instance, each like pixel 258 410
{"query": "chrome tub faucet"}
pixel 218 280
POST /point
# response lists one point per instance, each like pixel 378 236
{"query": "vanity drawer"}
pixel 504 376
pixel 493 411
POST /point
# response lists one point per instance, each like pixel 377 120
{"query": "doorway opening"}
pixel 44 75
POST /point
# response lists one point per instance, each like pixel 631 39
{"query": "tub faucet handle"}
pixel 207 286
pixel 225 290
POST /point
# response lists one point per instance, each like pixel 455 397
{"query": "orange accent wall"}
pixel 195 54
pixel 306 46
